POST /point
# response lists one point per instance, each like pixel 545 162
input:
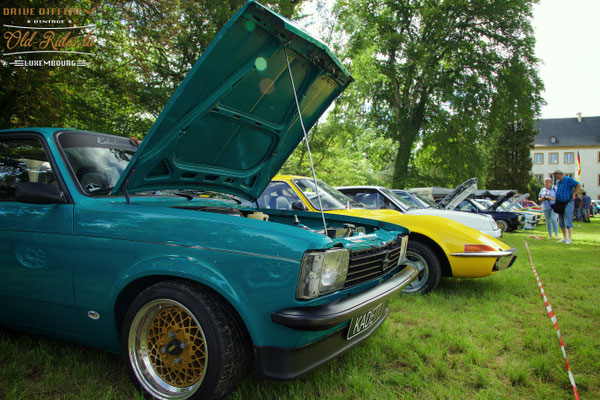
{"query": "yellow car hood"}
pixel 450 235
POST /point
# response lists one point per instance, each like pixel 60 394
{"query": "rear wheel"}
pixel 422 257
pixel 181 342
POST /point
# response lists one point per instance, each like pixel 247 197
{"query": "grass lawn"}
pixel 487 338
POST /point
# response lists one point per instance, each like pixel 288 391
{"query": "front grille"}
pixel 366 265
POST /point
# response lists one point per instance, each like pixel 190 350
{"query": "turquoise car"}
pixel 144 248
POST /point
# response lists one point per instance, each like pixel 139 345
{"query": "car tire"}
pixel 503 225
pixel 422 257
pixel 179 341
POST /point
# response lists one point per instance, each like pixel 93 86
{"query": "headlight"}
pixel 521 218
pixel 322 272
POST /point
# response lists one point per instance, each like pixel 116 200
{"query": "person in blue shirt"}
pixel 546 197
pixel 565 190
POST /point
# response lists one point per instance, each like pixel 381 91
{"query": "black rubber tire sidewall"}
pixel 433 264
pixel 213 317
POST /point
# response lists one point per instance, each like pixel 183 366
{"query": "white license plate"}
pixel 364 321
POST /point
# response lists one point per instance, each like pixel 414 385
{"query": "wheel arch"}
pixel 445 264
pixel 135 287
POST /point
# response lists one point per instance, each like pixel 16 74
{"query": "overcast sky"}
pixel 568 43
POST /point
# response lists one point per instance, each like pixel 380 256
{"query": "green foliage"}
pixel 510 128
pixel 343 152
pixel 420 63
pixel 143 50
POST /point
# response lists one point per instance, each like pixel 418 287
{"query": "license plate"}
pixel 364 321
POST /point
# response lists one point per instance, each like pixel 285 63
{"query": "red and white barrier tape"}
pixel 555 322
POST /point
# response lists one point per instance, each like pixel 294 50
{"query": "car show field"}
pixel 472 338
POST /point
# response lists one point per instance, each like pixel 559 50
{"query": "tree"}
pixel 343 152
pixel 510 127
pixel 417 62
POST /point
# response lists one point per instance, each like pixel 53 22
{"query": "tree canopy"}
pixel 444 89
pixel 433 67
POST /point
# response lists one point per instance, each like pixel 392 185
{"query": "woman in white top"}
pixel 547 197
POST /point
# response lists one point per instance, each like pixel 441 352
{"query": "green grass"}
pixel 487 338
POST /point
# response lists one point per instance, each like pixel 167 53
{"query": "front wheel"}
pixel 181 342
pixel 422 257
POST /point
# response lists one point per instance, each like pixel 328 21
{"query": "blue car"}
pixel 144 248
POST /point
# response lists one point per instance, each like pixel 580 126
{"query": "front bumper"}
pixel 289 363
pixel 326 316
pixel 504 260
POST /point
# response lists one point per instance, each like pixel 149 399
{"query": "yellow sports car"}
pixel 437 246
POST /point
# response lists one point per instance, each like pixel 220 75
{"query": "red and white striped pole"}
pixel 555 322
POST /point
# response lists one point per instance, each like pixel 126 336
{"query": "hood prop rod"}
pixel 126 184
pixel 312 167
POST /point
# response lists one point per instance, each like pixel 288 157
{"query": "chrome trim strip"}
pixel 502 253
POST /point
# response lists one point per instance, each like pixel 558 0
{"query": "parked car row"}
pixel 186 254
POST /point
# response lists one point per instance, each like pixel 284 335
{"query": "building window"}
pixel 553 158
pixel 569 175
pixel 599 156
pixel 538 158
pixel 553 139
pixel 598 179
pixel 569 158
pixel 539 177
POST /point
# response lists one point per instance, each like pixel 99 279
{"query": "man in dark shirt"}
pixel 577 202
pixel 586 203
pixel 567 187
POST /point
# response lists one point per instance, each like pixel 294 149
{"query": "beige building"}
pixel 557 145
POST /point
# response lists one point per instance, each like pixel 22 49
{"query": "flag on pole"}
pixel 578 167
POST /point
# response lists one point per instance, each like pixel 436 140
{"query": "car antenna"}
pixel 312 167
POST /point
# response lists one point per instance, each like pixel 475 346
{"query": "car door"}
pixel 36 255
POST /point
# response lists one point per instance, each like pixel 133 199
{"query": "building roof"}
pixel 568 132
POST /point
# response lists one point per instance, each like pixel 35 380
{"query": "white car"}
pixel 378 197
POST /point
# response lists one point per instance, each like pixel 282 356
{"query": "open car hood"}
pixel 233 121
pixel 501 199
pixel 462 191
pixel 511 206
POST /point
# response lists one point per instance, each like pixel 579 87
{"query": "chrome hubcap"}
pixel 417 262
pixel 167 350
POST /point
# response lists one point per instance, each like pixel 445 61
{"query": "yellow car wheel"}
pixel 421 257
pixel 180 342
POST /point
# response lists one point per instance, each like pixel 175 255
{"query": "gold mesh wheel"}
pixel 167 349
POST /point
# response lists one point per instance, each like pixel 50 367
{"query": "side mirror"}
pixel 38 193
pixel 297 205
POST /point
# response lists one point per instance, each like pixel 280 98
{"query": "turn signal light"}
pixel 476 248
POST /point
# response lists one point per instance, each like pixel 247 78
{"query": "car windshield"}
pixel 426 201
pixel 97 160
pixel 407 205
pixel 331 198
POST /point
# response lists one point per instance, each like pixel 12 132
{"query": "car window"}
pixel 22 160
pixel 97 160
pixel 466 206
pixel 408 199
pixel 331 198
pixel 369 199
pixel 278 196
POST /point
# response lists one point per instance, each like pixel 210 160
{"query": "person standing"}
pixel 546 197
pixel 566 189
pixel 577 206
pixel 586 203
